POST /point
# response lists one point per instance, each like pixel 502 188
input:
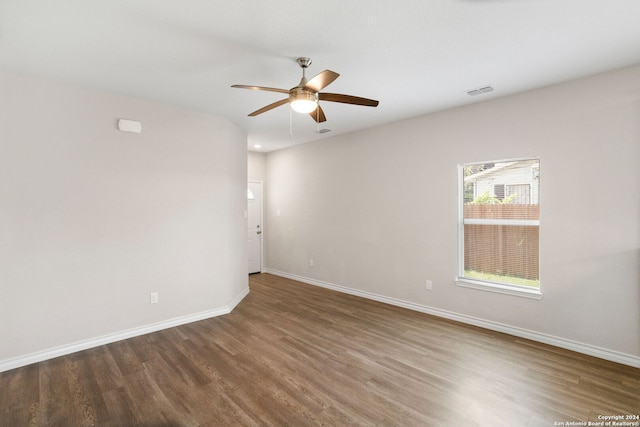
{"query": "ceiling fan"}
pixel 306 96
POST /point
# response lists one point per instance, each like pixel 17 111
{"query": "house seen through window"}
pixel 499 222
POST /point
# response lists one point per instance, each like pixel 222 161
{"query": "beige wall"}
pixel 376 210
pixel 93 220
pixel 256 166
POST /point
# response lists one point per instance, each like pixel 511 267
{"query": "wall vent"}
pixel 480 90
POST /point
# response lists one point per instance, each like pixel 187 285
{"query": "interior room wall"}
pixel 93 220
pixel 376 210
pixel 256 166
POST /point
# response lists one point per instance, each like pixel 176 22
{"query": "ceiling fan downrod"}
pixel 304 64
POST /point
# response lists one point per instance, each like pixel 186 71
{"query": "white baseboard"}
pixel 63 350
pixel 234 302
pixel 588 349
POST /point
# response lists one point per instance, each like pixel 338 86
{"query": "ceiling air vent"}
pixel 480 90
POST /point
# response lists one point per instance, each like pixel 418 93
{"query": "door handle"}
pixel 258 232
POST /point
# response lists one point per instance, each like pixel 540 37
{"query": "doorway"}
pixel 254 226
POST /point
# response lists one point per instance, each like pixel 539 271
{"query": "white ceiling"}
pixel 414 56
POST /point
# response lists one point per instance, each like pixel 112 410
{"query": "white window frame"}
pixel 502 288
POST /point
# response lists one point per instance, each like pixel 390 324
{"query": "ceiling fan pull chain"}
pixel 290 124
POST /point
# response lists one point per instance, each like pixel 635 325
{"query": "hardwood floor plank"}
pixel 299 355
pixel 19 399
pixel 125 357
pixel 148 401
pixel 121 409
pixel 188 399
pixel 83 382
pixel 104 368
pixel 183 366
pixel 64 397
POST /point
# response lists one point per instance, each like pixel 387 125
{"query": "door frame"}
pixel 261 184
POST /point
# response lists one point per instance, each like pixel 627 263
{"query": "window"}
pixel 499 222
pixel 498 191
pixel 521 193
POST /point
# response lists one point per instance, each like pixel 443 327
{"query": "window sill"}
pixel 520 291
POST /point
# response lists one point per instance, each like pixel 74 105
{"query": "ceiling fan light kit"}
pixel 302 100
pixel 306 96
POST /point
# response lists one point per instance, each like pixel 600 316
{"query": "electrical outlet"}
pixel 310 263
pixel 154 297
pixel 429 285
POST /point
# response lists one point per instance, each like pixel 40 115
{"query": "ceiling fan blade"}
pixel 322 80
pixel 318 115
pixel 270 107
pixel 347 99
pixel 270 89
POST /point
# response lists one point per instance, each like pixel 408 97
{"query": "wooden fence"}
pixel 509 250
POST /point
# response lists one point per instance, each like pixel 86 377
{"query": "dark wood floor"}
pixel 298 355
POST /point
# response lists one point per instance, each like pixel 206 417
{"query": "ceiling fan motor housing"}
pixel 300 93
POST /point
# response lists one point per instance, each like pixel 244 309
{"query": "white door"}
pixel 254 226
